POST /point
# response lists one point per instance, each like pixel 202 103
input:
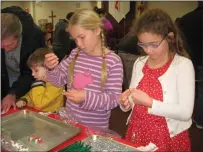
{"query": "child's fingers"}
pixel 56 63
pixel 126 102
pixel 69 94
pixel 20 104
pixel 120 99
pixel 49 55
pixel 51 59
pixel 124 98
pixel 126 93
pixel 71 98
pixel 127 106
pixel 51 64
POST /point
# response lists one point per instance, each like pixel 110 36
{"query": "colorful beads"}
pixel 18 146
pixel 35 139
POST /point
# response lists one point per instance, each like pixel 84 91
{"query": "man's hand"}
pixel 7 102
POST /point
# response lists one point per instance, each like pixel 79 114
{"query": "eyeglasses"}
pixel 152 45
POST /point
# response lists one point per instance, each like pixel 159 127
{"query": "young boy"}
pixel 43 95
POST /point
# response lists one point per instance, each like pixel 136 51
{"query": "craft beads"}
pixel 35 139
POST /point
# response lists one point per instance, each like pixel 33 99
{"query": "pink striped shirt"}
pixel 96 109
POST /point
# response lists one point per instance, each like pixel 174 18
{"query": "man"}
pixel 192 28
pixel 20 36
pixel 128 44
pixel 62 43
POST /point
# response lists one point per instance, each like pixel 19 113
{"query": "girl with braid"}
pixel 92 72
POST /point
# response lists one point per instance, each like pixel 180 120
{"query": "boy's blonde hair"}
pixel 159 22
pixel 10 26
pixel 37 58
pixel 88 20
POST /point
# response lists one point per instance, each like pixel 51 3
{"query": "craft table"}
pixel 83 134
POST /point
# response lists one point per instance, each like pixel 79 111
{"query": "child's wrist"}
pixel 47 68
pixel 23 99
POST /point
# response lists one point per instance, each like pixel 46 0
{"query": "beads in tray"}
pixel 18 146
pixel 35 139
pixel 13 146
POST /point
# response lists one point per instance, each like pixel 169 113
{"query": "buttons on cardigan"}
pixel 172 133
pixel 164 91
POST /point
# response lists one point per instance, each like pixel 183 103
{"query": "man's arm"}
pixel 22 85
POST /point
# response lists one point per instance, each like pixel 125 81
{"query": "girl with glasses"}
pixel 161 93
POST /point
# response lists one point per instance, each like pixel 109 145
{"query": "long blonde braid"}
pixel 104 64
pixel 71 70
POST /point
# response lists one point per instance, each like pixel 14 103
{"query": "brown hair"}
pixel 38 57
pixel 10 26
pixel 88 20
pixel 159 22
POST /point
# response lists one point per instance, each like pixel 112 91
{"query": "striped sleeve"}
pixel 58 76
pixel 112 89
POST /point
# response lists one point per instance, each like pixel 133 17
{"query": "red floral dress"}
pixel 145 128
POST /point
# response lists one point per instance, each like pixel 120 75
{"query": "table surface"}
pixel 79 137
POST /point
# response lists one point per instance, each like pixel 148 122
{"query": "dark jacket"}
pixel 32 38
pixel 62 43
pixel 192 29
pixel 128 44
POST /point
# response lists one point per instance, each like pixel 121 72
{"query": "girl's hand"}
pixel 51 61
pixel 20 103
pixel 76 96
pixel 123 99
pixel 141 98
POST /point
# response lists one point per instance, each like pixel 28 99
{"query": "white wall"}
pixel 30 6
pixel 174 9
pixel 60 9
pixel 13 3
pixel 22 4
pixel 43 10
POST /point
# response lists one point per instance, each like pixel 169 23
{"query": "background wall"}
pixel 8 3
pixel 42 10
pixel 60 9
pixel 174 9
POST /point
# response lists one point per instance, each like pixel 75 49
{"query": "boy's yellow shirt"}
pixel 46 98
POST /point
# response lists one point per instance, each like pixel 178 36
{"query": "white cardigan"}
pixel 178 84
